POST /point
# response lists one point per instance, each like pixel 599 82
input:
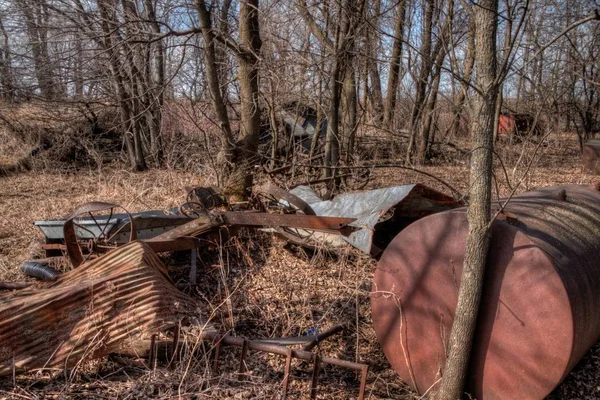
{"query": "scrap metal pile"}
pixel 539 310
pixel 89 311
pixel 117 289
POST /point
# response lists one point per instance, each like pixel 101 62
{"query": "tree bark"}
pixel 240 180
pixel 35 13
pixel 395 64
pixel 212 78
pixel 478 214
pixel 157 90
pixel 422 79
pixel 429 108
pixel 131 134
pixel 469 61
pixel 6 74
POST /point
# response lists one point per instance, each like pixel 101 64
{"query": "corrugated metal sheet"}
pixel 380 214
pixel 87 312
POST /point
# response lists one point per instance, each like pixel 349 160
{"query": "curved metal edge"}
pixel 279 193
pixel 72 247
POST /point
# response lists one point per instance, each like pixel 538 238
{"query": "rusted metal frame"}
pixel 322 336
pixel 286 373
pixel 175 347
pixel 180 244
pixel 72 246
pixel 281 194
pixel 317 360
pixel 152 357
pixel 309 341
pixel 242 367
pixel 314 381
pixel 195 227
pixel 312 222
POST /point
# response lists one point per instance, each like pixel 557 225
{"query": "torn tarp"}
pixel 381 213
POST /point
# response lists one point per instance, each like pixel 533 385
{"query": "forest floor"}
pixel 272 289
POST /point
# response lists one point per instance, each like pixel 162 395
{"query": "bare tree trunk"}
pixel 469 61
pixel 428 111
pixel 241 178
pixel 332 138
pixel 78 68
pixel 35 15
pixel 157 90
pixel 6 75
pixel 422 79
pixel 372 68
pixel 478 214
pixel 220 49
pixel 505 54
pixel 131 134
pixel 426 126
pixel 212 78
pixel 395 64
pixel 349 107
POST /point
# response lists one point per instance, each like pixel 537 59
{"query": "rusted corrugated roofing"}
pixel 87 312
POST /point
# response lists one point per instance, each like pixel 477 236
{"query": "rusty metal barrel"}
pixel 540 310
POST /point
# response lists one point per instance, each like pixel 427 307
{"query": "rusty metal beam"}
pixel 257 345
pixel 311 222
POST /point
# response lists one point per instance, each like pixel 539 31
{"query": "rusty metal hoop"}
pixel 71 241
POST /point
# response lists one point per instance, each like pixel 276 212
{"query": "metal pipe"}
pixel 286 352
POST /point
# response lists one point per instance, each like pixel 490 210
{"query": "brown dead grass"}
pixel 255 286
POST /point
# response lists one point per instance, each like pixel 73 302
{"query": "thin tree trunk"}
pixel 350 109
pixel 469 61
pixel 6 75
pixel 212 78
pixel 34 12
pixel 423 78
pixel 158 86
pixel 130 132
pixel 440 55
pixel 241 178
pixel 478 213
pixel 395 64
pixel 220 50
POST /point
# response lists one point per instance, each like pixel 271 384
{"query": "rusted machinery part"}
pixel 299 221
pixel 208 197
pixel 188 235
pixel 304 241
pixel 281 194
pixel 540 310
pixel 72 244
pixel 288 353
pixel 286 233
pixel 309 341
pixel 88 312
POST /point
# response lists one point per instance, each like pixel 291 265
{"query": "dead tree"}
pixel 478 213
pixel 395 64
pixel 238 157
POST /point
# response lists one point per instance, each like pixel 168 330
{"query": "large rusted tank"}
pixel 540 309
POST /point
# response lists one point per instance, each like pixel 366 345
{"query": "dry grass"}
pixel 254 285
